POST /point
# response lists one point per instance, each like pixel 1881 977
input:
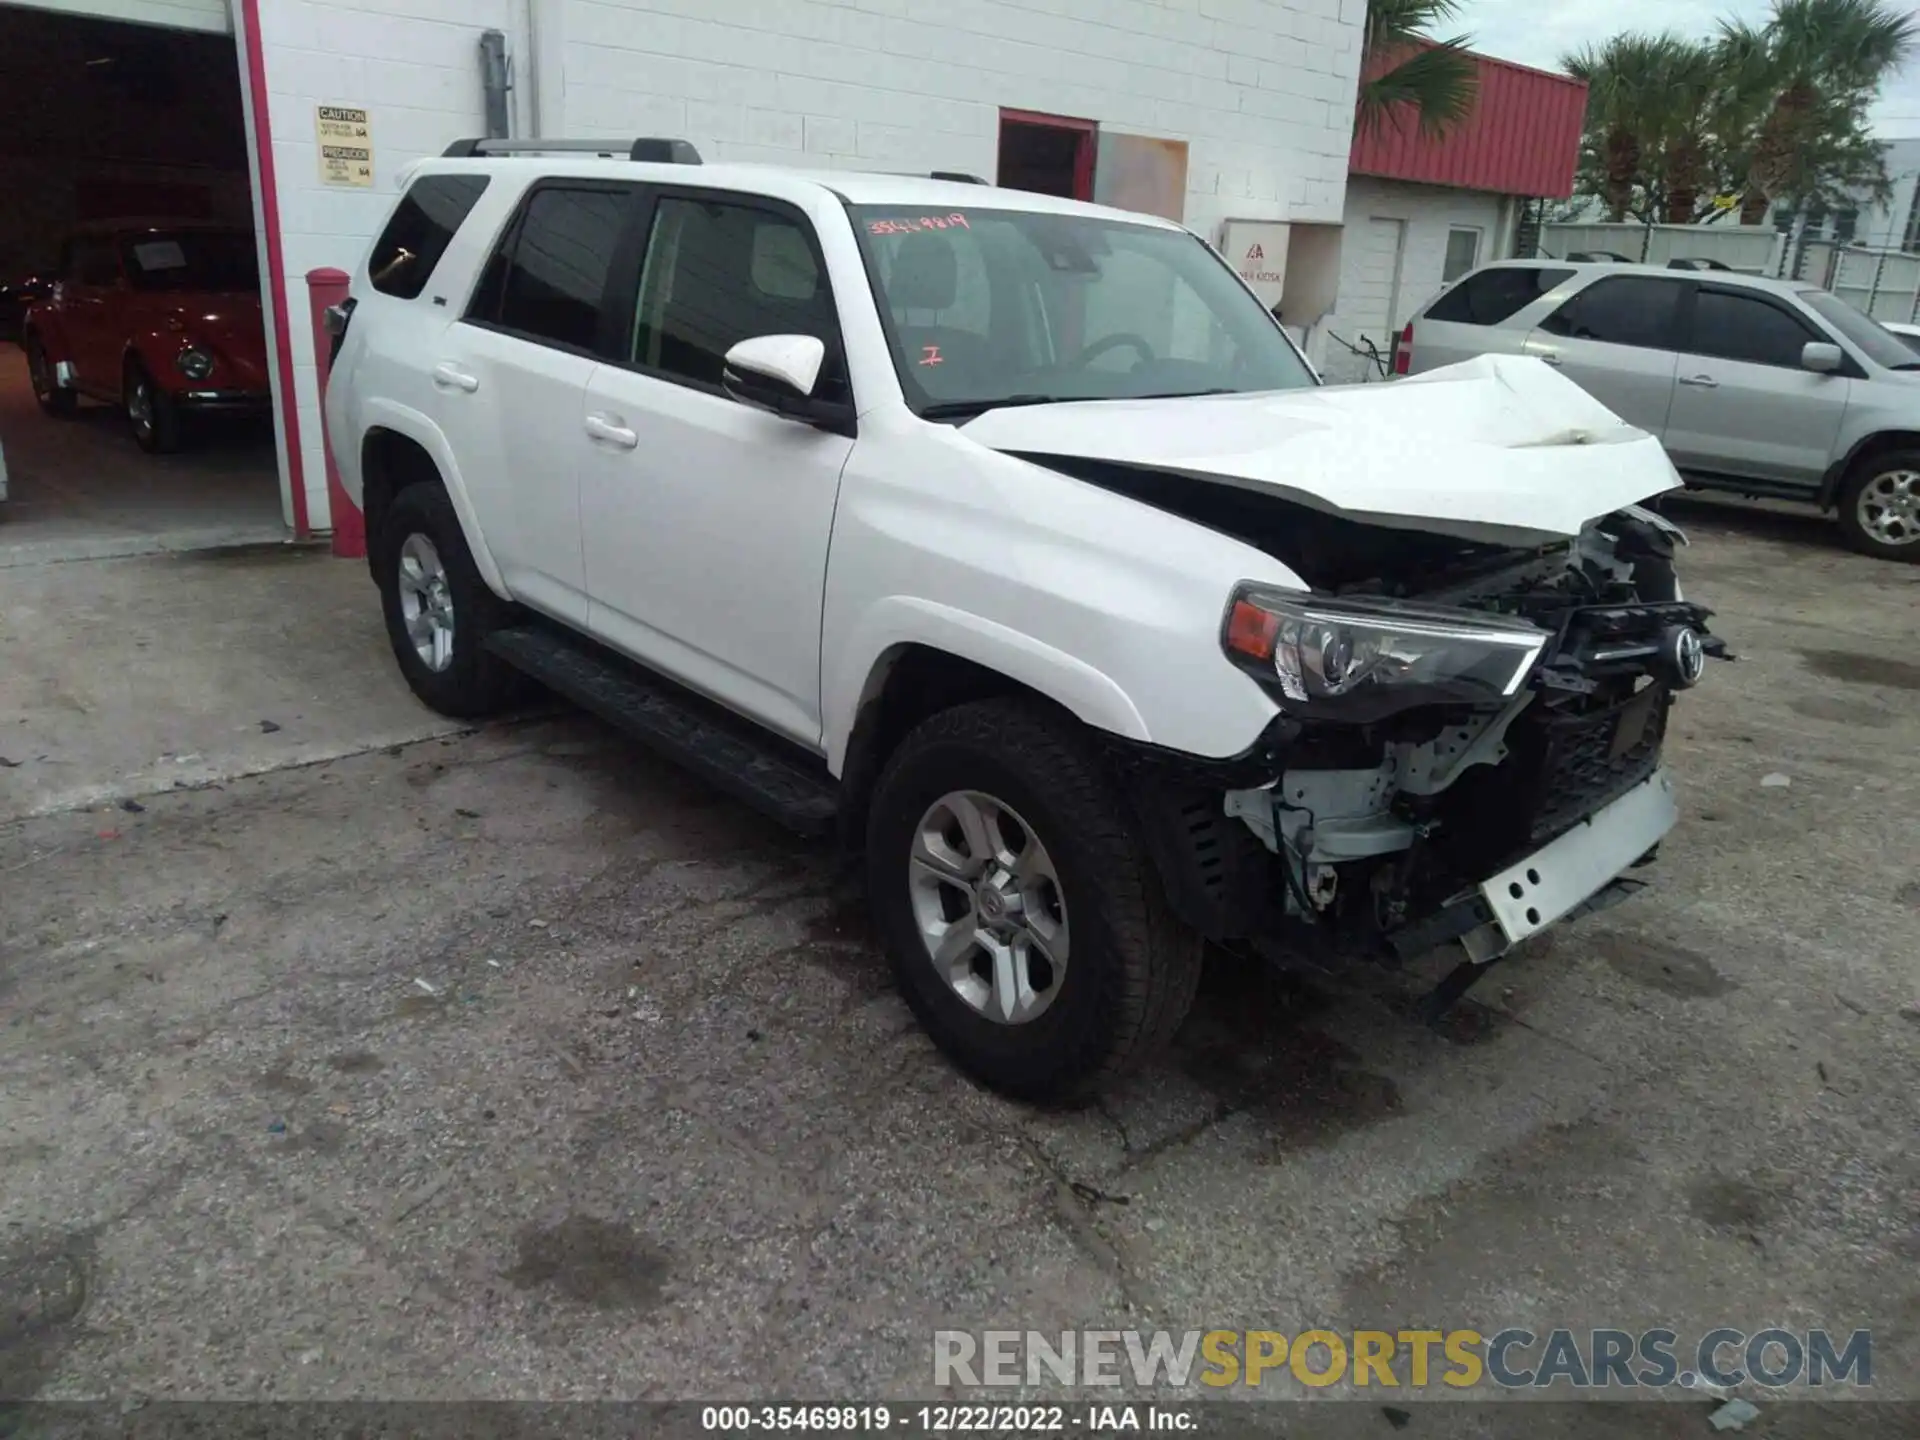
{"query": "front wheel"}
pixel 438 609
pixel 1880 507
pixel 54 398
pixel 151 412
pixel 1027 927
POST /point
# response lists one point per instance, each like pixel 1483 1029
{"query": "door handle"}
pixel 608 429
pixel 1553 360
pixel 1703 382
pixel 452 377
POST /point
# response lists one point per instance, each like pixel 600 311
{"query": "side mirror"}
pixel 778 373
pixel 769 369
pixel 1821 357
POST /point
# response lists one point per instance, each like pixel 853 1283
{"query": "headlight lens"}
pixel 195 363
pixel 1365 660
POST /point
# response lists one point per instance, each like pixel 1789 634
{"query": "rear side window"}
pixel 548 280
pixel 1745 327
pixel 1493 295
pixel 422 227
pixel 1622 310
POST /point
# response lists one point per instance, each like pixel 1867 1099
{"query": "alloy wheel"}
pixel 988 902
pixel 1889 507
pixel 426 602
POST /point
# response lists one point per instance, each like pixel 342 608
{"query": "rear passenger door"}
pixel 1473 318
pixel 1743 405
pixel 1615 339
pixel 706 521
pixel 512 380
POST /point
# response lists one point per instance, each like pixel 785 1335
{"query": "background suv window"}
pixel 548 280
pixel 1491 296
pixel 422 227
pixel 1745 327
pixel 1620 310
pixel 717 273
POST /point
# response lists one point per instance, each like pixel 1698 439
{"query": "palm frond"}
pixel 1436 83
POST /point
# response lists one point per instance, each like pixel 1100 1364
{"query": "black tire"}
pixel 474 683
pixel 1133 968
pixel 52 398
pixel 156 425
pixel 1882 469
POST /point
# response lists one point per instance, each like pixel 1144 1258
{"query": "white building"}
pixel 1211 110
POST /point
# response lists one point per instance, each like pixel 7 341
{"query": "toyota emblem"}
pixel 1686 656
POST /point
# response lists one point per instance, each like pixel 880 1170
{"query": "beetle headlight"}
pixel 1362 660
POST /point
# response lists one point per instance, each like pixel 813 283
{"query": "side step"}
pixel 703 738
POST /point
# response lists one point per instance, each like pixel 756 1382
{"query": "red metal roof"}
pixel 1523 137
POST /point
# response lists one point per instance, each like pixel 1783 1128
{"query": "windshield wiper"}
pixel 956 409
pixel 1183 394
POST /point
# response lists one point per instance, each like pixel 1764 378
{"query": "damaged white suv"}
pixel 1012 538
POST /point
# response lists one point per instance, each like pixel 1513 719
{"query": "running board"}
pixel 712 744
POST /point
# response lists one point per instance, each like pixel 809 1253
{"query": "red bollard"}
pixel 327 287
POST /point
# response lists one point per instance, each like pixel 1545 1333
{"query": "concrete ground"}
pixel 79 488
pixel 516 1064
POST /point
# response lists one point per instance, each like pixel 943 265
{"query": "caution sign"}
pixel 346 146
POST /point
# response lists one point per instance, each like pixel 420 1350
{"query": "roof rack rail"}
pixel 958 176
pixel 647 148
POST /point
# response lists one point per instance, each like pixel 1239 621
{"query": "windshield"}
pixel 217 260
pixel 1870 337
pixel 989 307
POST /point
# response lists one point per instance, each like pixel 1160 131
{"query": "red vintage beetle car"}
pixel 162 320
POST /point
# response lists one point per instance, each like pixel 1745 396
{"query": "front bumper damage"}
pixel 1450 825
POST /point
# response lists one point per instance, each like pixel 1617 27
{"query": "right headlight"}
pixel 1363 660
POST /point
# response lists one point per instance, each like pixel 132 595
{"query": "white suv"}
pixel 1012 538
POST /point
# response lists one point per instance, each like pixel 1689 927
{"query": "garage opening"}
pixel 135 409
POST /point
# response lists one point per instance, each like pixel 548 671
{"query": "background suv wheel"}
pixel 1880 507
pixel 439 611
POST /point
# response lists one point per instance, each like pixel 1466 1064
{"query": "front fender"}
pixel 900 620
pixel 377 413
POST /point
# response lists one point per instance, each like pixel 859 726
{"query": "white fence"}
pixel 1882 283
pixel 1754 249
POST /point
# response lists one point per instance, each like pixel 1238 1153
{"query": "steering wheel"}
pixel 1111 342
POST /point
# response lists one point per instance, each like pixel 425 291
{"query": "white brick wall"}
pixel 414 66
pixel 1370 302
pixel 1261 89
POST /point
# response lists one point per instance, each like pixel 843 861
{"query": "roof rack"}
pixel 651 149
pixel 958 176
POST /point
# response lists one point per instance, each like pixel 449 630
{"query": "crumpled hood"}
pixel 1498 448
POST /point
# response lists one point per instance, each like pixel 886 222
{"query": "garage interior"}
pixel 101 121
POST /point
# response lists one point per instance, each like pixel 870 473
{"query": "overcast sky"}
pixel 1538 34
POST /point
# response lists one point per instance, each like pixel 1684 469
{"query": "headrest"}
pixel 925 274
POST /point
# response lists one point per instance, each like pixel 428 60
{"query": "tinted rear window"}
pixel 422 228
pixel 554 284
pixel 1491 296
pixel 1621 310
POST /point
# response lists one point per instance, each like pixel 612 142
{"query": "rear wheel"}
pixel 53 398
pixel 1880 507
pixel 1027 927
pixel 438 609
pixel 151 413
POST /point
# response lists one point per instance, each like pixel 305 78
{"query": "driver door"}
pixel 706 521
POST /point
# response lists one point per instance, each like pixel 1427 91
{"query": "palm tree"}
pixel 1626 112
pixel 1690 82
pixel 1823 58
pixel 1403 67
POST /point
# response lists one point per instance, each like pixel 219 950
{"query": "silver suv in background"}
pixel 1758 387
